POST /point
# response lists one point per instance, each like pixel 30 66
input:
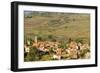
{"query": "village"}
pixel 37 50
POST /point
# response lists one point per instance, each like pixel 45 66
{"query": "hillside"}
pixel 58 25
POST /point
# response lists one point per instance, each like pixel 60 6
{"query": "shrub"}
pixel 33 55
pixel 50 36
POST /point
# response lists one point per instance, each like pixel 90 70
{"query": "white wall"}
pixel 5 35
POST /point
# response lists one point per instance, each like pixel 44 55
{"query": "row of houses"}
pixel 73 51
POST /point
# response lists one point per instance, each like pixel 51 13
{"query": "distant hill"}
pixel 66 25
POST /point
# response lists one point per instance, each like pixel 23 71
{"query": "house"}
pixel 27 49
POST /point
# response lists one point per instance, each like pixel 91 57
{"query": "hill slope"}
pixel 66 25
